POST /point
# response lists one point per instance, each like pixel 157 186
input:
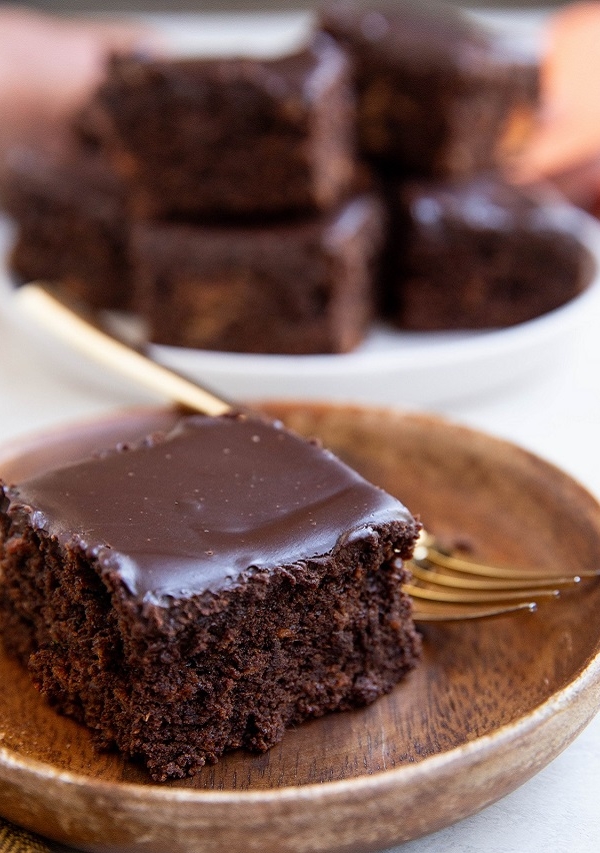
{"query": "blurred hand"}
pixel 49 65
pixel 569 134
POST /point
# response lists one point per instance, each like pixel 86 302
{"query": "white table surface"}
pixel 555 413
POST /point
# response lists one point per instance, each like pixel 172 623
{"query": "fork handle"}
pixel 50 312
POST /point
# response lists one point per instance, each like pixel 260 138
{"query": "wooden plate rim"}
pixel 584 682
pixel 587 679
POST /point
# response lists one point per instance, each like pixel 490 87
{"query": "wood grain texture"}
pixel 490 704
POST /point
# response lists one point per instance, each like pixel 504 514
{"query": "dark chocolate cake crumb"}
pixel 207 590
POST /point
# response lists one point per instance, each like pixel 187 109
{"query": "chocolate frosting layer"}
pixel 487 203
pixel 422 37
pixel 193 510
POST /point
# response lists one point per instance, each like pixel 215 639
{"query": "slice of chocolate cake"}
pixel 437 96
pixel 229 136
pixel 205 589
pixel 72 227
pixel 480 254
pixel 305 286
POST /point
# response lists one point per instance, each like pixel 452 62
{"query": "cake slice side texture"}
pixel 175 659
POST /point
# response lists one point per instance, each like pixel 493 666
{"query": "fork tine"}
pixel 475 597
pixel 427 551
pixel 449 588
pixel 454 613
pixel 474 582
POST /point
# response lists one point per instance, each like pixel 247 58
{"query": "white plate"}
pixel 391 367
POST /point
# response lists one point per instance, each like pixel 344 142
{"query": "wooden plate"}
pixel 491 703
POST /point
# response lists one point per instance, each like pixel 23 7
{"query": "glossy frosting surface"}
pixel 425 37
pixel 191 511
pixel 487 203
pixel 404 34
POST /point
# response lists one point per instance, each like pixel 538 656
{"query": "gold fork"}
pixel 444 586
pixel 449 587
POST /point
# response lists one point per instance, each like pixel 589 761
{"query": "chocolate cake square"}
pixel 205 589
pixel 231 136
pixel 72 227
pixel 297 287
pixel 437 95
pixel 480 254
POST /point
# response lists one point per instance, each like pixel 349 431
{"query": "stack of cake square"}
pixel 70 208
pixel 444 108
pixel 239 215
pixel 283 205
pixel 249 232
